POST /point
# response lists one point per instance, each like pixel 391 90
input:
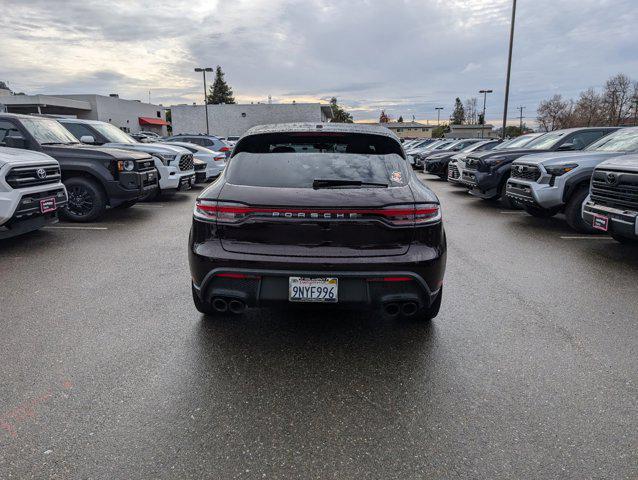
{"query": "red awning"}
pixel 153 121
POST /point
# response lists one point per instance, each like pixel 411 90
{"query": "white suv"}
pixel 31 191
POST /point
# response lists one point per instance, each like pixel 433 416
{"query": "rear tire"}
pixel 624 240
pixel 431 312
pixel 202 307
pixel 573 211
pixel 540 212
pixel 86 200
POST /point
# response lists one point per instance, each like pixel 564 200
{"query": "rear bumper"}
pixel 361 279
pixel 620 222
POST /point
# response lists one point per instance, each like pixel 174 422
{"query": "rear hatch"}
pixel 279 212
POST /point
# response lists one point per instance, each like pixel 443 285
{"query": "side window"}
pixel 6 129
pixel 78 130
pixel 205 142
pixel 582 139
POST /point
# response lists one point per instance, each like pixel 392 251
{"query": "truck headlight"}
pixel 558 170
pixel 165 158
pixel 126 165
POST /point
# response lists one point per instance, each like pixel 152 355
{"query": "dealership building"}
pixel 128 115
pixel 227 120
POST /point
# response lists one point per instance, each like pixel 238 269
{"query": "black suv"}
pixel 486 173
pixel 94 177
pixel 612 205
pixel 324 213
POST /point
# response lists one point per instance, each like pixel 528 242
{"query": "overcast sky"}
pixel 406 56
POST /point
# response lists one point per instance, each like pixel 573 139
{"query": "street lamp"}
pixel 509 68
pixel 484 92
pixel 438 115
pixel 204 70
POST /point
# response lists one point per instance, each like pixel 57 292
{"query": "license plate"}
pixel 323 290
pixel 600 222
pixel 48 205
pixel 151 177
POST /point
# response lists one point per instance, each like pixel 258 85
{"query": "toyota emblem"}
pixel 612 178
pixel 41 173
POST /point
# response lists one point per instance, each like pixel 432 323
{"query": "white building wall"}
pixel 122 113
pixel 234 120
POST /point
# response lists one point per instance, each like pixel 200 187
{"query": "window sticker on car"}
pixel 396 177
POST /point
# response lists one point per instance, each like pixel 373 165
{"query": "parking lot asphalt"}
pixel 108 371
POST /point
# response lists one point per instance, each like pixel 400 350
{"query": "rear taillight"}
pixel 400 216
pixel 221 212
pixel 219 159
pixel 224 149
pixel 418 215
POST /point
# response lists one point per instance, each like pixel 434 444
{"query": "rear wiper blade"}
pixel 328 183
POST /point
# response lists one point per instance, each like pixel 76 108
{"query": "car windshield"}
pixel 620 141
pixel 113 134
pixel 48 132
pixel 474 146
pixel 545 142
pixel 517 142
pixel 290 170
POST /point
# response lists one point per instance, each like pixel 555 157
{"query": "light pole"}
pixel 484 92
pixel 509 68
pixel 204 70
pixel 438 115
pixel 521 119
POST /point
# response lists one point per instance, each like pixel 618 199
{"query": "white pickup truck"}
pixel 31 191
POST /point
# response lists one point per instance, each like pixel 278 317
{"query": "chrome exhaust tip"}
pixel 409 308
pixel 236 306
pixel 392 309
pixel 220 305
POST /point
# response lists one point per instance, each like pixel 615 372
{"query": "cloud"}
pixel 406 56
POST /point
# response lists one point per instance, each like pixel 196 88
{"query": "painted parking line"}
pixel 585 237
pixel 64 227
pixel 514 212
pixel 147 205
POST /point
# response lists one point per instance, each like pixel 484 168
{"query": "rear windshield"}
pixel 289 170
pixel 319 142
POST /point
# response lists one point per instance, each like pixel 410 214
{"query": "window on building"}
pixel 159 114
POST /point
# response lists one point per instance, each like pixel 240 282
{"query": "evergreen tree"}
pixel 339 115
pixel 220 91
pixel 384 118
pixel 400 119
pixel 458 116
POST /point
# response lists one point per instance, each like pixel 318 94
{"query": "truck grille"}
pixel 186 162
pixel 471 163
pixel 145 165
pixel 615 189
pixel 453 172
pixel 23 177
pixel 526 172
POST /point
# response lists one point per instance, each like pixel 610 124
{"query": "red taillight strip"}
pixel 237 275
pixel 383 212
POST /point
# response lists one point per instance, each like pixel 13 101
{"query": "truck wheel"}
pixel 624 240
pixel 573 211
pixel 540 212
pixel 433 310
pixel 87 200
pixel 202 307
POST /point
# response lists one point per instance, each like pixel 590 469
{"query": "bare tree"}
pixel 617 99
pixel 552 114
pixel 471 111
pixel 589 109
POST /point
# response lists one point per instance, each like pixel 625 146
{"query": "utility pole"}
pixel 484 92
pixel 521 119
pixel 204 70
pixel 509 68
pixel 635 111
pixel 438 115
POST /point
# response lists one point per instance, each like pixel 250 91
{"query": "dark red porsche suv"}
pixel 325 213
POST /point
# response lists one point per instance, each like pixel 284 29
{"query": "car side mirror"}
pixel 87 139
pixel 566 146
pixel 15 142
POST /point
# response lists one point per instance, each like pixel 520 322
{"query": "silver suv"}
pixel 548 183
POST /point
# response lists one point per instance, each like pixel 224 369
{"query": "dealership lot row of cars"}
pixel 51 167
pixel 588 174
